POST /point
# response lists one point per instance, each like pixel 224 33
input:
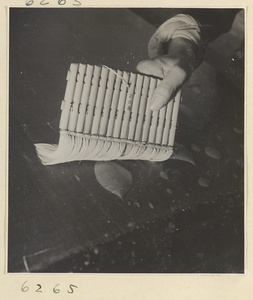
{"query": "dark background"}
pixel 60 218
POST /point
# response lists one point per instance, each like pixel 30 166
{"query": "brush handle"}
pixel 84 98
pixel 68 97
pixel 76 97
pixel 174 119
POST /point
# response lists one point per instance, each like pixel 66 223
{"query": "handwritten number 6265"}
pixel 56 290
pixel 44 2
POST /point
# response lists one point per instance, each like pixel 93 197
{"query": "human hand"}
pixel 171 58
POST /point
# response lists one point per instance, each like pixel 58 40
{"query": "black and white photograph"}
pixel 126 140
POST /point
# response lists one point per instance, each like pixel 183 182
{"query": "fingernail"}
pixel 141 66
pixel 157 103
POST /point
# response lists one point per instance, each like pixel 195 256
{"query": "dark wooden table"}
pixel 58 211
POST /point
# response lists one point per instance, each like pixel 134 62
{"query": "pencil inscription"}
pixel 56 289
pixel 56 2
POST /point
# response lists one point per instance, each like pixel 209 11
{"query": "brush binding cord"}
pixel 106 116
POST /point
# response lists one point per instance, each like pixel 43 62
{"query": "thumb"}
pixel 165 91
pixel 150 67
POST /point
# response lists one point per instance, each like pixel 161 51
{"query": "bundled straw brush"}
pixel 106 116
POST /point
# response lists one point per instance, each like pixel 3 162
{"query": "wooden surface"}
pixel 57 211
